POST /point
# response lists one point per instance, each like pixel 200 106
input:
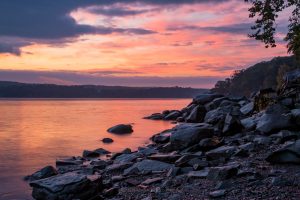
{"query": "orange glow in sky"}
pixel 183 40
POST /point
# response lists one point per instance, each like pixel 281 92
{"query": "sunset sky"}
pixel 128 42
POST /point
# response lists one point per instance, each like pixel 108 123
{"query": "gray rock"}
pixel 169 158
pixel 249 123
pixel 296 115
pixel 284 136
pixel 217 193
pixel 247 109
pixel 155 116
pixel 173 115
pixel 45 172
pixel 288 154
pixel 149 166
pixel 198 174
pixel 68 161
pixel 232 125
pixel 218 114
pixel 99 164
pixel 205 98
pixel 221 152
pixel 118 167
pixel 161 138
pixel 66 187
pixel 197 114
pixel 222 173
pixel 101 151
pixel 185 137
pixel 209 144
pixel 90 154
pixel 148 151
pixel 262 140
pixel 126 158
pixel 152 181
pixel 121 129
pixel 270 123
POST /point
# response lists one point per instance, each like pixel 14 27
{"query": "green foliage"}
pixel 266 13
pixel 260 76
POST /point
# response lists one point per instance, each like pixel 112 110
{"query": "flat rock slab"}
pixel 149 166
pixel 288 154
pixel 66 186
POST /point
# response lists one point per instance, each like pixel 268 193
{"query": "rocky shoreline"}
pixel 222 147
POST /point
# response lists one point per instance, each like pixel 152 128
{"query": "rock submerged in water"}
pixel 121 129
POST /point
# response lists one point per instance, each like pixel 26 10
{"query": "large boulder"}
pixel 121 129
pixel 216 115
pixel 147 166
pixel 248 108
pixel 206 98
pixel 288 154
pixel 270 123
pixel 232 125
pixel 197 114
pixel 66 187
pixel 189 135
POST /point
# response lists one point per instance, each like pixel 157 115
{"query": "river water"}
pixel 34 132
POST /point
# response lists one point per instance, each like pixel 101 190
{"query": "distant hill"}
pixel 266 74
pixel 24 90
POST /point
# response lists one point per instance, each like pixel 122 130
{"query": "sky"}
pixel 189 43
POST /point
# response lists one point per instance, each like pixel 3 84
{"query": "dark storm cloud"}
pixel 242 28
pixel 80 78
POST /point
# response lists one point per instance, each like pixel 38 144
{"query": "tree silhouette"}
pixel 266 12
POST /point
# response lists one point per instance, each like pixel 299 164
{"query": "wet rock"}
pixel 148 166
pixel 217 193
pixel 148 151
pixel 107 140
pixel 270 123
pixel 101 151
pixel 197 114
pixel 173 115
pixel 221 152
pixel 288 154
pixel 188 136
pixel 66 187
pixel 121 129
pixel 247 109
pixel 232 125
pixel 155 116
pixel 45 172
pixel 222 173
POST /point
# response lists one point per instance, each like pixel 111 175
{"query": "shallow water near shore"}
pixel 34 132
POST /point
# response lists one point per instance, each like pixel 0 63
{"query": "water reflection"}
pixel 33 133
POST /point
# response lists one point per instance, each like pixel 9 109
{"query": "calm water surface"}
pixel 33 133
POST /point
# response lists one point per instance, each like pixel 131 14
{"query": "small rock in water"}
pixel 121 129
pixel 107 140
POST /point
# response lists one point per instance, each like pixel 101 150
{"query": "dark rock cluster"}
pixel 223 148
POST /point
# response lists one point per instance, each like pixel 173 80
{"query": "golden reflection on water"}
pixel 33 133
